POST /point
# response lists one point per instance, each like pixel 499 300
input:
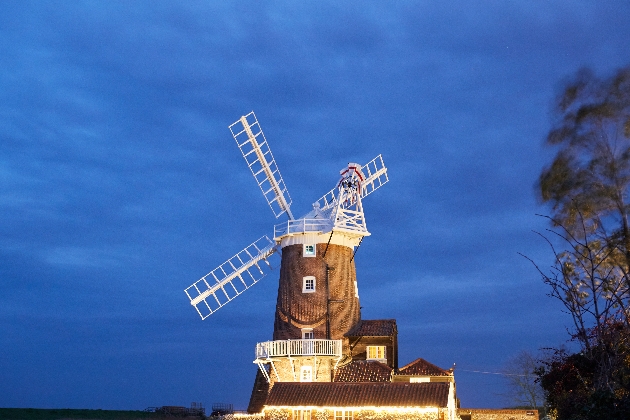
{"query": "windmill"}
pixel 318 298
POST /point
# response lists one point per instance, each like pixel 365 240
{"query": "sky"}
pixel 120 183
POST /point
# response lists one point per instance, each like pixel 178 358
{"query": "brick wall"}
pixel 321 368
pixel 296 310
pixel 490 414
pixel 328 414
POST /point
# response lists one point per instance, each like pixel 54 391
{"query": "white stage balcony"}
pixel 293 227
pixel 298 348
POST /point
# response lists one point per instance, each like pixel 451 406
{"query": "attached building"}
pixel 358 401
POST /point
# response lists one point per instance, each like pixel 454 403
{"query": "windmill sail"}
pixel 253 145
pixel 338 210
pixel 230 279
pixel 375 176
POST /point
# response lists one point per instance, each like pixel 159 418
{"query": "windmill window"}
pixel 307 334
pixel 376 353
pixel 309 250
pixel 308 284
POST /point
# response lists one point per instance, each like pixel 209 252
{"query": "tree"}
pixel 570 381
pixel 523 387
pixel 591 171
pixel 587 187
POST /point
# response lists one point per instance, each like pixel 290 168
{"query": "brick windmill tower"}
pixel 318 299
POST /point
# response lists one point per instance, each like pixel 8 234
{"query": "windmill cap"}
pixel 355 167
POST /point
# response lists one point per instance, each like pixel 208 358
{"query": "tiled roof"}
pixel 421 367
pixel 364 371
pixel 373 328
pixel 259 393
pixel 346 394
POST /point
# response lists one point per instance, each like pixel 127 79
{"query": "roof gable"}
pixel 421 367
pixel 346 394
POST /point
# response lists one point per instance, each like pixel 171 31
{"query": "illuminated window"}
pixel 344 415
pixel 301 414
pixel 356 289
pixel 376 353
pixel 307 334
pixel 308 284
pixel 307 374
pixel 417 380
pixel 309 250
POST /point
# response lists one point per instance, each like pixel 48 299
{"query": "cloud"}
pixel 120 184
pixel 83 257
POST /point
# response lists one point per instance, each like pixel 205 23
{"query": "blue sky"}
pixel 120 184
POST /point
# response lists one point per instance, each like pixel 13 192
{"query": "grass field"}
pixel 72 414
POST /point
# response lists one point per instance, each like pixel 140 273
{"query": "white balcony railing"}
pixel 285 348
pixel 301 226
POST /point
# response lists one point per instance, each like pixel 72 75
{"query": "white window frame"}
pixel 419 380
pixel 309 250
pixel 376 353
pixel 344 415
pixel 307 334
pixel 301 414
pixel 305 283
pixel 306 374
